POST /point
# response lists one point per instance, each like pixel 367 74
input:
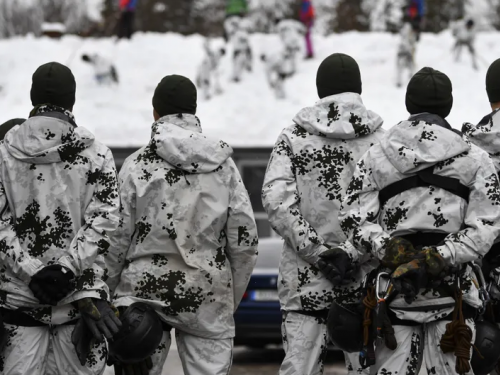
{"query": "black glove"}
pixel 409 278
pixel 336 265
pixel 100 317
pixel 141 368
pixel 52 283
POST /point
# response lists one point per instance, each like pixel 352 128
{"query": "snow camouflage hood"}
pixel 341 116
pixel 486 135
pixel 50 136
pixel 177 139
pixel 410 146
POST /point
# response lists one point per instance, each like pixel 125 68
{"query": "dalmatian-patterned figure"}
pixel 208 77
pixel 282 64
pixel 406 52
pixel 237 33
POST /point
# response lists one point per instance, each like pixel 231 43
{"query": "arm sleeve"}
pixel 121 238
pixel 100 218
pixel 482 219
pixel 281 202
pixel 11 253
pixel 242 237
pixel 359 212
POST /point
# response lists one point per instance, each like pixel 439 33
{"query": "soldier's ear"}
pixel 156 115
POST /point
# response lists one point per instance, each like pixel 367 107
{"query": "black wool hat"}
pixel 493 82
pixel 175 94
pixel 338 73
pixel 429 91
pixel 6 126
pixel 53 83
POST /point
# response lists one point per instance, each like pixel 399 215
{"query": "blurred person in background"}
pixel 465 36
pixel 282 63
pixel 208 76
pixel 104 71
pixel 307 18
pixel 406 51
pixel 126 22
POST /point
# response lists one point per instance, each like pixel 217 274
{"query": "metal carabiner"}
pixel 484 296
pixel 377 286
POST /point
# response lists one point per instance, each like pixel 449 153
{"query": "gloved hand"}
pixel 100 317
pixel 398 251
pixel 141 368
pixel 52 283
pixel 336 265
pixel 409 278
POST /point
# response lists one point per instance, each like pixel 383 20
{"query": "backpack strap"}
pixel 424 178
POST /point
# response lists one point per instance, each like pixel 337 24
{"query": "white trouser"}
pixel 305 340
pixel 47 351
pixel 414 344
pixel 199 356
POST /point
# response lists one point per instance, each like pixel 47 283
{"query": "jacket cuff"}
pixel 31 268
pixel 66 261
pixel 353 253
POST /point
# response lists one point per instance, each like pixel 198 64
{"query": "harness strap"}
pixel 424 178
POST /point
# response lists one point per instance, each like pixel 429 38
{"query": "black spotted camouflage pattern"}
pixel 406 149
pixel 310 168
pixel 486 135
pixel 187 241
pixel 62 194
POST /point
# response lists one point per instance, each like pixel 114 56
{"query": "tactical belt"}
pixel 468 311
pixel 424 178
pixel 319 314
pixel 20 319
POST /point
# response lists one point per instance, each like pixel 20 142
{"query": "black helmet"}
pixel 139 336
pixel 345 327
pixel 487 343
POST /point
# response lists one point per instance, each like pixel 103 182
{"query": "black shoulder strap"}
pixel 424 178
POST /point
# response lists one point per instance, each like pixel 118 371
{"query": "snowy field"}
pixel 247 114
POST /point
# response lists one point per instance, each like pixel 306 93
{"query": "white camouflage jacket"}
pixel 486 135
pixel 59 195
pixel 311 165
pixel 419 143
pixel 187 241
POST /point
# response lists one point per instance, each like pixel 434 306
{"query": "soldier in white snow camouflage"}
pixel 187 241
pixel 310 167
pixel 428 184
pixel 59 194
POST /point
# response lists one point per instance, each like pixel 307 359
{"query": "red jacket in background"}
pixel 306 12
pixel 128 4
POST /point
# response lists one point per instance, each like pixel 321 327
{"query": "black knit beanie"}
pixel 6 126
pixel 53 83
pixel 175 94
pixel 429 91
pixel 493 82
pixel 338 73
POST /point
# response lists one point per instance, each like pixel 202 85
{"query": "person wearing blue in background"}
pixel 126 25
pixel 307 18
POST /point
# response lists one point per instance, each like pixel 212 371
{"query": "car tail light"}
pixel 245 296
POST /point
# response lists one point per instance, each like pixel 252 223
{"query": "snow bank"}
pixel 248 113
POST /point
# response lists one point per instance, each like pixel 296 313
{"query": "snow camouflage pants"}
pixel 199 356
pixel 415 344
pixel 305 341
pixel 47 351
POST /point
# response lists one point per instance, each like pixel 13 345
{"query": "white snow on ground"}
pixel 247 114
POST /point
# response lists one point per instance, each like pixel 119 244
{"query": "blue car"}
pixel 258 318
